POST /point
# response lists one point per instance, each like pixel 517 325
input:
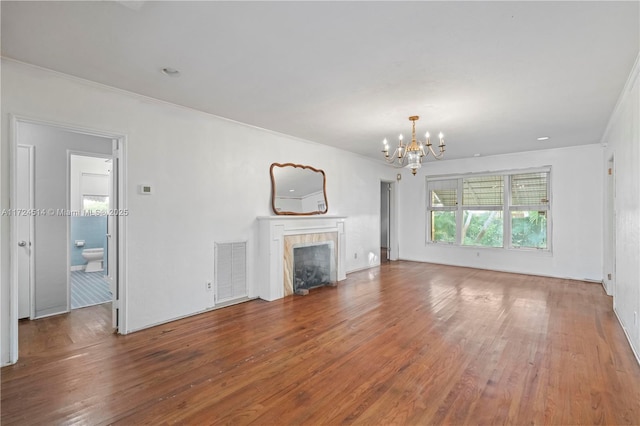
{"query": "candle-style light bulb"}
pixel 400 137
pixel 441 136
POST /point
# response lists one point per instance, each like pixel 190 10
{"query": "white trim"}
pixel 13 238
pixel 203 311
pixel 626 333
pixel 506 271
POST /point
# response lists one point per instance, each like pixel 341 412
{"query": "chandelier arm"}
pixel 396 160
pixel 438 156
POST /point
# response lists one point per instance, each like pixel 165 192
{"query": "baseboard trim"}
pixel 589 280
pixel 220 306
pixel 633 349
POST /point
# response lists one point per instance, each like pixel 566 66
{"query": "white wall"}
pixel 623 145
pixel 202 192
pixel 576 215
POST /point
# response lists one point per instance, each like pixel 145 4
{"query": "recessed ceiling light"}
pixel 476 155
pixel 291 190
pixel 171 72
pixel 543 138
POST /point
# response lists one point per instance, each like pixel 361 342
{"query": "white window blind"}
pixel 443 193
pixel 530 189
pixel 483 191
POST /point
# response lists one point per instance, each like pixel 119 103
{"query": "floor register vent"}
pixel 230 271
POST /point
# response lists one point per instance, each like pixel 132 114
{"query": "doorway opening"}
pixel 388 240
pixel 72 218
pixel 90 204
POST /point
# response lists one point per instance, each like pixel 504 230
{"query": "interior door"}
pixel 111 257
pixel 24 203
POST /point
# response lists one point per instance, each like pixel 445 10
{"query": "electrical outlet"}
pixel 609 277
pixel 209 285
pixel 355 255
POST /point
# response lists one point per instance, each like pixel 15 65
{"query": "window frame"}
pixel 453 208
pixel 507 208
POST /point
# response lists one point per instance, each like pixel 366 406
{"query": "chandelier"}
pixel 411 155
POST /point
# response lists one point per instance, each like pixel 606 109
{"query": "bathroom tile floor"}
pixel 88 289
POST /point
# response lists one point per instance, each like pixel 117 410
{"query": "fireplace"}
pixel 313 266
pixel 279 236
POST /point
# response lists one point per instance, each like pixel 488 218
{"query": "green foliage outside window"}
pixel 529 229
pixel 443 226
pixel 482 228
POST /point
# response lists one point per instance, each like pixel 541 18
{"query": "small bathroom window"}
pixel 95 204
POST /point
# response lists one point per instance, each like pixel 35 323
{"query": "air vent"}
pixel 230 271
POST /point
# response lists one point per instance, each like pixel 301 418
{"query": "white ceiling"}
pixel 493 76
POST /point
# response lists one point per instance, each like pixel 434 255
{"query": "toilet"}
pixel 93 257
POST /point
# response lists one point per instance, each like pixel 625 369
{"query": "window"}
pixel 94 204
pixel 482 204
pixel 529 210
pixel 444 202
pixel 480 210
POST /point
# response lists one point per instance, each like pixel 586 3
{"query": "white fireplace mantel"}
pixel 271 235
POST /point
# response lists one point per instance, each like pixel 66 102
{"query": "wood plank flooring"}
pixel 404 343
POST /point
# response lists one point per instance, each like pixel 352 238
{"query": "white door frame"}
pixel 120 141
pixel 610 224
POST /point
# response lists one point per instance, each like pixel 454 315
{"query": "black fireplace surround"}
pixel 311 266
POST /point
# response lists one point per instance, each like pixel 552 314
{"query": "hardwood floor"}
pixel 405 343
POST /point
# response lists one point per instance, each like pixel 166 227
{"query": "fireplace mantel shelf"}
pixel 272 233
pixel 312 217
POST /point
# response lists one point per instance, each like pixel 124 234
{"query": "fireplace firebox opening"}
pixel 313 266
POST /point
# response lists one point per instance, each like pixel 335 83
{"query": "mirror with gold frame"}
pixel 297 189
